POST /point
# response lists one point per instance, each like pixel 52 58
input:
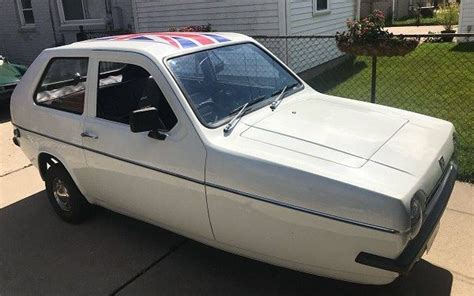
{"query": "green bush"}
pixel 448 16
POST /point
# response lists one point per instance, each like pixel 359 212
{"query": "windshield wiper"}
pixel 250 103
pixel 281 93
pixel 241 110
pixel 234 119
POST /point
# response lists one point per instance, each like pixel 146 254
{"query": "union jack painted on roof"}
pixel 175 39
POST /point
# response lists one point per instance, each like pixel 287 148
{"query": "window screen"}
pixel 63 85
pixel 321 5
pixel 75 10
pixel 26 12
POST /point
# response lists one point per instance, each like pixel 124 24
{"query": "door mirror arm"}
pixel 158 135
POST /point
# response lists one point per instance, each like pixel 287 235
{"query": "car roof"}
pixel 159 44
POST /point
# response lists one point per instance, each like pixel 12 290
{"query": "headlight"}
pixel 416 217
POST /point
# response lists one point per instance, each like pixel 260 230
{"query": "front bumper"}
pixel 416 247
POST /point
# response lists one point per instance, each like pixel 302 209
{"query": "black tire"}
pixel 65 197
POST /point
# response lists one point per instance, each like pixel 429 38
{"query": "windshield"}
pixel 218 81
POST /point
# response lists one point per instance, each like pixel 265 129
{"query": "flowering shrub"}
pixel 368 37
pixel 195 28
pixel 367 30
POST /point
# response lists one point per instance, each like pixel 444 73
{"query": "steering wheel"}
pixel 207 110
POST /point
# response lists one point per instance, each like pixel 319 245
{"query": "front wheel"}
pixel 65 197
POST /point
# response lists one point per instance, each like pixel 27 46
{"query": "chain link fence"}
pixel 436 79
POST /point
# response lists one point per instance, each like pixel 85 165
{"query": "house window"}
pixel 26 13
pixel 321 6
pixel 82 12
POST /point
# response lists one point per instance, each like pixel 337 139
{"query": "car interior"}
pixel 215 94
pixel 63 85
pixel 128 88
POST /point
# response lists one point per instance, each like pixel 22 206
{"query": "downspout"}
pixel 283 17
pixel 287 27
pixel 52 24
pixel 135 16
pixel 393 11
pixel 357 12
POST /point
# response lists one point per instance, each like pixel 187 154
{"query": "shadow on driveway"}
pixel 40 254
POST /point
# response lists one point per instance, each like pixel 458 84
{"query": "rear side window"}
pixel 63 85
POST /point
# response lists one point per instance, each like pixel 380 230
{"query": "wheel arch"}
pixel 44 159
pixel 47 158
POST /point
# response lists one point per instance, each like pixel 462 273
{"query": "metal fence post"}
pixel 374 79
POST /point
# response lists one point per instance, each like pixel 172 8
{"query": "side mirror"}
pixel 219 67
pixel 147 120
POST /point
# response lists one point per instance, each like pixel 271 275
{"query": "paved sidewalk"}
pixel 416 30
pixel 113 254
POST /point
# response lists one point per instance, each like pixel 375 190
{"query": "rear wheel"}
pixel 65 197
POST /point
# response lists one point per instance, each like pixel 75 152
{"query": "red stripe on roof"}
pixel 204 40
pixel 128 36
pixel 170 40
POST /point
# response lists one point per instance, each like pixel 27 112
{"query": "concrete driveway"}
pixel 413 30
pixel 113 254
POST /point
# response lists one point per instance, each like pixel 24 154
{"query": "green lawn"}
pixel 411 21
pixel 436 79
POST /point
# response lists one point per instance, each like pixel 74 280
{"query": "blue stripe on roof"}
pixel 142 38
pixel 219 38
pixel 185 43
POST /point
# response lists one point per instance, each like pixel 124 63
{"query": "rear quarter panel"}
pixel 46 130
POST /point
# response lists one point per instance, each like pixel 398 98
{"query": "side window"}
pixel 63 85
pixel 124 88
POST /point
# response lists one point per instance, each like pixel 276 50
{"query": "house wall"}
pixel 402 8
pixel 466 21
pixel 245 16
pixel 302 21
pixel 125 7
pixel 22 45
pixel 305 54
pixel 368 6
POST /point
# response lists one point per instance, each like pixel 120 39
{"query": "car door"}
pixel 57 116
pixel 156 179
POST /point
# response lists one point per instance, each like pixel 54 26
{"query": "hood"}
pixel 345 134
pixel 9 74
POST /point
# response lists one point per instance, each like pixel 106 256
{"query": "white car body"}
pixel 322 184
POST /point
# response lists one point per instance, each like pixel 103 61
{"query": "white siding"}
pixel 306 54
pixel 245 16
pixel 303 22
pixel 127 15
pixel 467 16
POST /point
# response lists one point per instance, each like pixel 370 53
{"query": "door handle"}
pixel 88 135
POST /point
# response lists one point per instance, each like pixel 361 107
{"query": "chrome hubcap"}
pixel 61 194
